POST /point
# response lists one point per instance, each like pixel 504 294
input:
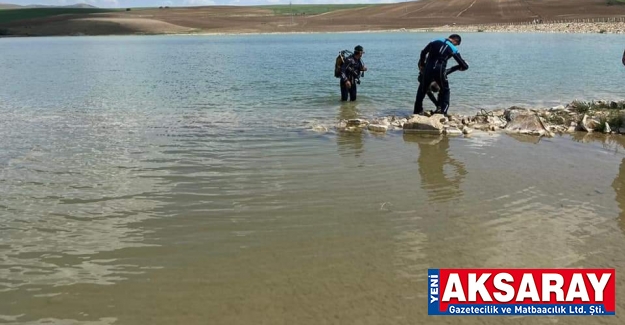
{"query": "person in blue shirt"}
pixel 350 74
pixel 433 66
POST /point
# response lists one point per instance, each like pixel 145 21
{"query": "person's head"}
pixel 455 39
pixel 358 51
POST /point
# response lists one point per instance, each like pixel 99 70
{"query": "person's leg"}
pixel 344 91
pixel 443 96
pixel 418 104
pixel 353 92
pixel 424 86
pixel 432 98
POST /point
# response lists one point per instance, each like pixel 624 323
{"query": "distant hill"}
pixel 78 5
pixel 9 6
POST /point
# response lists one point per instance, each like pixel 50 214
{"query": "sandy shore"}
pixel 133 26
pixel 584 28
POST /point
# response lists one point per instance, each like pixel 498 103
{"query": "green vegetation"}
pixel 312 9
pixel 8 15
pixel 616 2
pixel 581 107
pixel 585 107
pixel 615 119
pixel 612 113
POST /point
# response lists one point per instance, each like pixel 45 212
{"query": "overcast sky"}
pixel 152 3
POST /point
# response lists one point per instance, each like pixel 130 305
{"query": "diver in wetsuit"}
pixel 435 88
pixel 433 65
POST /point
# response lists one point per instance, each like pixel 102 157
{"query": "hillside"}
pixel 231 19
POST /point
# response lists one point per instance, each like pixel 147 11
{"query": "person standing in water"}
pixel 350 74
pixel 433 65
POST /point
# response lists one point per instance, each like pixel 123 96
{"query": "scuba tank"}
pixel 339 62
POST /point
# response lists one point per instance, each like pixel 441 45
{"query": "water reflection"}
pixel 619 188
pixel 614 143
pixel 434 161
pixel 525 138
pixel 350 142
pixel 348 110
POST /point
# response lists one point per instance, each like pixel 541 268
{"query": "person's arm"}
pixel 453 69
pixel 461 62
pixel 346 70
pixel 423 56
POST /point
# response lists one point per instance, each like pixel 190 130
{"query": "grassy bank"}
pixel 9 15
pixel 311 9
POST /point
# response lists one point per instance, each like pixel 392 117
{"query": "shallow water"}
pixel 176 180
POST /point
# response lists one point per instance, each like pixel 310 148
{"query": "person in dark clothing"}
pixel 623 59
pixel 434 87
pixel 433 65
pixel 350 74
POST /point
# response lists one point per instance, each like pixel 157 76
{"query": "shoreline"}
pixel 603 117
pixel 553 28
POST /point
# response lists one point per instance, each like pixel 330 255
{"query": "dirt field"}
pixel 419 14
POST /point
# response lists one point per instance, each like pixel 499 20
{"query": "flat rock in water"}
pixel 526 124
pixel 451 131
pixel 425 125
pixel 467 130
pixel 377 127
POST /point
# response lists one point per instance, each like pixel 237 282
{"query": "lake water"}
pixel 176 179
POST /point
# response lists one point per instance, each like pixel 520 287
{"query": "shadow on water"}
pixel 433 159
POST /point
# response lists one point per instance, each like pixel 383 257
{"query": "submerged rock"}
pixel 357 122
pixel 451 131
pixel 320 128
pixel 377 127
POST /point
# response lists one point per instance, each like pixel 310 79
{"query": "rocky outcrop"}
pixel 573 117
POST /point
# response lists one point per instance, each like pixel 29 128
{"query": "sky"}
pixel 156 3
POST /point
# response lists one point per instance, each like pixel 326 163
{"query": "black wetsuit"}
pixel 434 62
pixel 350 71
pixel 431 89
